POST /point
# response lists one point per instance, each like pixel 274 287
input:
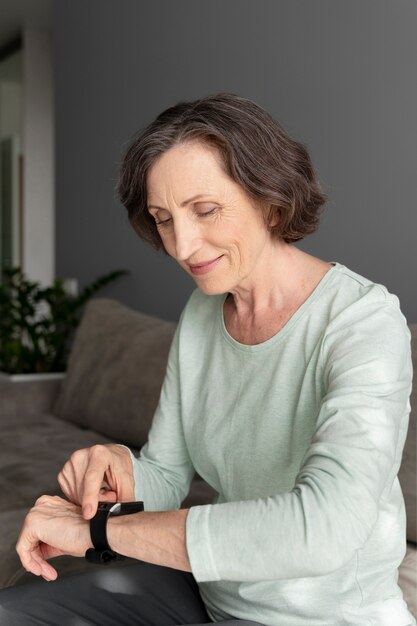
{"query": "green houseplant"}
pixel 37 323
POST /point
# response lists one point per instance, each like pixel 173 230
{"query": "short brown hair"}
pixel 255 152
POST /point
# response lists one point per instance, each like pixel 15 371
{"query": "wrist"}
pixel 123 533
pixel 86 541
pixel 103 552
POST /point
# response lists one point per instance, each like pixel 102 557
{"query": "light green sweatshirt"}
pixel 301 437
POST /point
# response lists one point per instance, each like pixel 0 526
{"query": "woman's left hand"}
pixel 53 527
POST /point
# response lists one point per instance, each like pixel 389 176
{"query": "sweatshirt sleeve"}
pixel 163 471
pixel 353 457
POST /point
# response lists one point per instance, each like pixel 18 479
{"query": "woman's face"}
pixel 206 221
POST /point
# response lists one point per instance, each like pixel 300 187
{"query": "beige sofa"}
pixel 109 394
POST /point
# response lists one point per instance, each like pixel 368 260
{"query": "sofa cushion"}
pixel 408 470
pixel 115 371
pixel 32 454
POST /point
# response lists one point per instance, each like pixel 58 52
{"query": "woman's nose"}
pixel 187 240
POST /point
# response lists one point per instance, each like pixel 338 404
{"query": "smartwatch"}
pixel 102 553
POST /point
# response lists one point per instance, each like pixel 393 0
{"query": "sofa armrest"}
pixel 28 398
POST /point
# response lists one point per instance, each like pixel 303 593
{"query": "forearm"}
pixel 154 537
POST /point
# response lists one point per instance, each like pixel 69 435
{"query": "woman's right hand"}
pixel 100 473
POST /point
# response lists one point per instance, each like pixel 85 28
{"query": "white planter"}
pixel 18 378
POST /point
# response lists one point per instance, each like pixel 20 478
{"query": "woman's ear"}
pixel 273 215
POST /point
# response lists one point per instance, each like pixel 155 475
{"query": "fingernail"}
pixel 87 510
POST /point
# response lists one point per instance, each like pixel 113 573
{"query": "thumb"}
pixel 89 510
pixel 92 486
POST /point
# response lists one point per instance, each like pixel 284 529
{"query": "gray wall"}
pixel 340 75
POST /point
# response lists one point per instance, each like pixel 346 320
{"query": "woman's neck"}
pixel 258 308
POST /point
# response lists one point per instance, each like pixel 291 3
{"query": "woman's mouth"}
pixel 206 266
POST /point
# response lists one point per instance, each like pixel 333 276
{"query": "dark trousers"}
pixel 140 594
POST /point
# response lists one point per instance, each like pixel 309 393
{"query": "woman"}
pixel 287 388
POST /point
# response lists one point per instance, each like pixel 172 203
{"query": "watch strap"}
pixel 102 553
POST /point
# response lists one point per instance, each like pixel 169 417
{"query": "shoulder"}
pixel 353 297
pixel 364 317
pixel 351 286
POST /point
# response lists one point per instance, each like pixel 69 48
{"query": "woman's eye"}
pixel 162 218
pixel 207 211
pixel 163 222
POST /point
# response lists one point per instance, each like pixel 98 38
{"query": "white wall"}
pixel 38 138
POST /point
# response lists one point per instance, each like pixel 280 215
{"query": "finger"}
pixel 74 475
pixel 69 490
pixel 117 486
pixel 66 487
pixel 30 557
pixel 66 480
pixel 62 481
pixel 106 495
pixel 39 556
pixel 93 480
pixel 50 573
